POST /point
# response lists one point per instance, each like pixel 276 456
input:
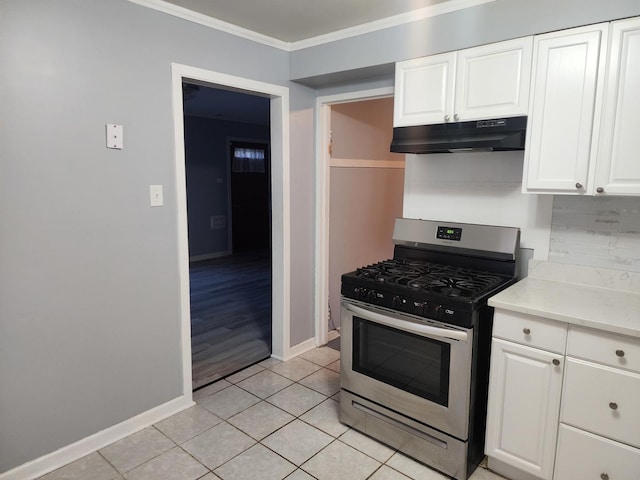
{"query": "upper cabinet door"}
pixel 565 100
pixel 424 90
pixel 492 81
pixel 618 168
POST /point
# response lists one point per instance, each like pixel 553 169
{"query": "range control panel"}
pixel 400 303
pixel 449 233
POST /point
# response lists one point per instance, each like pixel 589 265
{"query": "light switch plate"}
pixel 115 136
pixel 155 196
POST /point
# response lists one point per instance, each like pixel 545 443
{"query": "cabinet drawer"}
pixel 607 348
pixel 582 455
pixel 602 400
pixel 530 330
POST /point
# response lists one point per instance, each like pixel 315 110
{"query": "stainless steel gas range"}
pixel 416 339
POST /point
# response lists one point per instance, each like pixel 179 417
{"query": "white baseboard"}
pixel 333 334
pixel 54 460
pixel 294 351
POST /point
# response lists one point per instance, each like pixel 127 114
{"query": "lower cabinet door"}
pixel 524 405
pixel 582 455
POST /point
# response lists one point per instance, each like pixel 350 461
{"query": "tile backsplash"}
pixel 596 231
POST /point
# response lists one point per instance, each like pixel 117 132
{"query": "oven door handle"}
pixel 422 330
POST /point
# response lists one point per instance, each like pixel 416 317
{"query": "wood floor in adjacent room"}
pixel 230 314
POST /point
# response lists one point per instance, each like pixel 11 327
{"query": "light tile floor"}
pixel 271 421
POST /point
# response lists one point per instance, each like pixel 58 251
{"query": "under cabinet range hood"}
pixel 475 136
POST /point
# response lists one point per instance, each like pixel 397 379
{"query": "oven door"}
pixel 417 367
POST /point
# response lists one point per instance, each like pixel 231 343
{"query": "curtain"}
pixel 248 160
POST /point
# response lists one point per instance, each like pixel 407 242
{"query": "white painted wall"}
pixel 485 188
pixel 480 188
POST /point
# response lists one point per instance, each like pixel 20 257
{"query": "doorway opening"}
pixel 262 274
pixel 359 194
pixel 229 220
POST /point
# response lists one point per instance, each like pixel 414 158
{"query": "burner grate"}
pixel 432 278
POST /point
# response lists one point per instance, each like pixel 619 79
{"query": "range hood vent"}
pixel 480 135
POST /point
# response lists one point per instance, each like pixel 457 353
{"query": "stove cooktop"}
pixel 431 290
pixel 431 278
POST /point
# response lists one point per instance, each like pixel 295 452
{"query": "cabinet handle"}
pixel 556 362
pixel 620 353
pixel 600 190
pixel 613 405
pixel 456 117
pixel 526 331
pixel 604 476
pixel 578 185
pixel 447 118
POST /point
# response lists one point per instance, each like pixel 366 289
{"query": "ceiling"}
pixel 285 21
pixel 225 105
pixel 296 20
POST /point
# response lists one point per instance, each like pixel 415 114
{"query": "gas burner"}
pixel 452 287
pixel 382 278
pixel 390 271
pixel 452 292
pixel 446 280
pixel 420 284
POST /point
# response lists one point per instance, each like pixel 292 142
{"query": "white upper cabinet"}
pixel 493 80
pixel 582 135
pixel 424 90
pixel 618 164
pixel 564 106
pixel 484 82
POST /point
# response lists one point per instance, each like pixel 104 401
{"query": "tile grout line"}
pixel 296 417
pixel 259 442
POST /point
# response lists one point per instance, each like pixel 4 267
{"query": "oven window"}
pixel 404 360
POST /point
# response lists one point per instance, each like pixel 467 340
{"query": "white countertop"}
pixel 547 293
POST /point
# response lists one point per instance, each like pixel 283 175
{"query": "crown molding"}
pixel 195 17
pixel 369 27
pixel 393 21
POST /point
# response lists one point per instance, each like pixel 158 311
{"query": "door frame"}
pixel 280 198
pixel 322 194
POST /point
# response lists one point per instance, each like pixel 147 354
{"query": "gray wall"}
pixel 89 294
pixel 365 55
pixel 208 178
pixel 302 187
pixel 89 291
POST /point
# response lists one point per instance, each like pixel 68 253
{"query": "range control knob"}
pixel 437 311
pixel 361 292
pixel 422 308
pixel 397 301
pixel 371 296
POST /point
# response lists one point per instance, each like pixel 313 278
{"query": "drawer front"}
pixel 530 330
pixel 606 348
pixel 602 400
pixel 582 455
